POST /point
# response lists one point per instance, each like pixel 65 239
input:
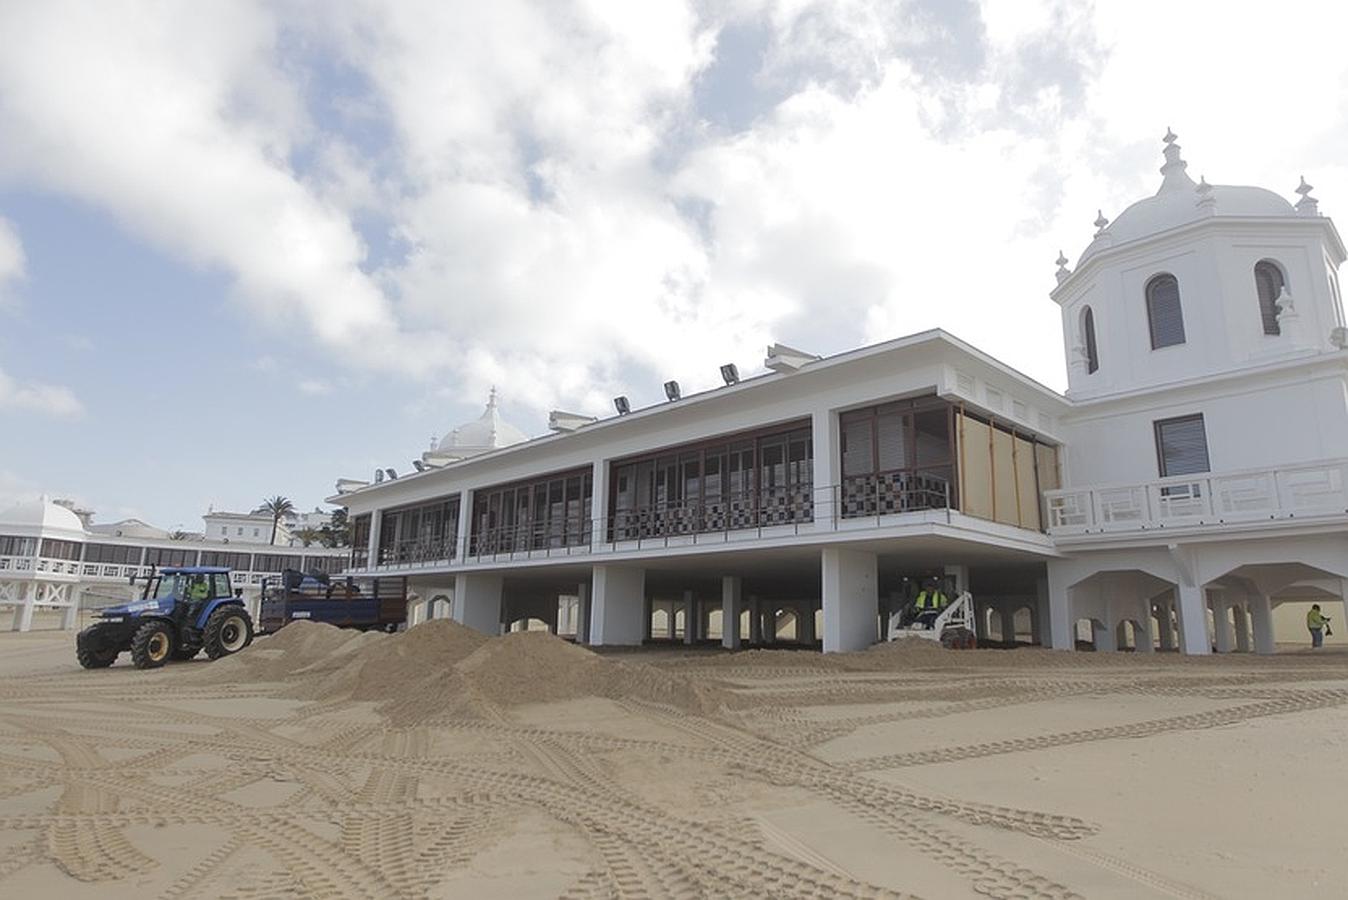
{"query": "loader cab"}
pixel 191 587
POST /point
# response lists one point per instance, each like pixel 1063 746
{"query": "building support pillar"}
pixel 1103 637
pixel 1142 636
pixel 618 606
pixel 689 618
pixel 851 599
pixel 731 595
pixel 477 601
pixel 1008 616
pixel 70 618
pixel 1223 634
pixel 582 613
pixel 1165 621
pixel 1242 617
pixel 755 622
pixel 805 623
pixel 1193 620
pixel 1041 611
pixel 960 576
pixel 23 611
pixel 1261 611
pixel 1062 627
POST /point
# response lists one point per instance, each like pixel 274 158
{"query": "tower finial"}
pixel 1175 177
pixel 491 398
pixel 1063 272
pixel 1206 201
pixel 1100 222
pixel 1307 205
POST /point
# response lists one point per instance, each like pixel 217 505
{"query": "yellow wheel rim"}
pixel 159 646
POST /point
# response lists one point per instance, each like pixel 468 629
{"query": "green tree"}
pixel 278 508
pixel 338 532
pixel 308 536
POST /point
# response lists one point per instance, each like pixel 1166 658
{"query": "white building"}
pixel 246 528
pixel 1194 475
pixel 49 559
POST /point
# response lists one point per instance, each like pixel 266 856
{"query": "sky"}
pixel 249 247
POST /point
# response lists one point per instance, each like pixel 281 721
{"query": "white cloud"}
pixel 12 259
pixel 314 387
pixel 47 399
pixel 527 194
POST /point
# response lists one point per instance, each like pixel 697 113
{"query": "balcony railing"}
pixel 1302 491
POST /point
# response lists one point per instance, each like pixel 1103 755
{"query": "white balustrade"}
pixel 1289 492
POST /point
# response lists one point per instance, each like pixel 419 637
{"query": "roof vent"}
pixel 559 420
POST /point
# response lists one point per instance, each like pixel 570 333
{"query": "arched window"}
pixel 1088 336
pixel 1163 312
pixel 1269 281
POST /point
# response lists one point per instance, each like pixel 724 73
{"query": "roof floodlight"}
pixel 378 476
pixel 391 473
pixel 730 373
pixel 672 390
pixel 621 405
pixel 418 465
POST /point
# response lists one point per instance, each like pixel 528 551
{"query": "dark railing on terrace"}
pixel 889 493
pixel 419 550
pixel 555 534
pixel 727 512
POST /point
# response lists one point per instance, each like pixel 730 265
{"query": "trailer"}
pixel 366 604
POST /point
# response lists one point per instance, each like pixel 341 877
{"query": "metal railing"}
pixel 422 551
pixel 1287 492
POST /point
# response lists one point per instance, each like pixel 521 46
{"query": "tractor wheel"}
pixel 91 660
pixel 228 630
pixel 152 646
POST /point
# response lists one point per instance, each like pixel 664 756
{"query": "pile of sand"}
pixel 441 668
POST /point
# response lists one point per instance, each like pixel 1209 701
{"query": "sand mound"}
pixel 278 656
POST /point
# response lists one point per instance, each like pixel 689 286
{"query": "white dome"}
pixel 487 432
pixel 1180 202
pixel 41 514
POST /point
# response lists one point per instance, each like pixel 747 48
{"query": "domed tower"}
pixel 486 433
pixel 1199 280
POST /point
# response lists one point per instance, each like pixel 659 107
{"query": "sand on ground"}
pixel 440 763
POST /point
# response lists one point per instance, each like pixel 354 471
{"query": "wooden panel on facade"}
pixel 1027 492
pixel 1005 508
pixel 976 481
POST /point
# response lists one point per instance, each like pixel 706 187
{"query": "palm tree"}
pixel 308 536
pixel 278 508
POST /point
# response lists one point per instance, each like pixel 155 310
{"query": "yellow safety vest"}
pixel 1315 619
pixel 198 591
pixel 932 600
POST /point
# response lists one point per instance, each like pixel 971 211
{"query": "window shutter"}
pixel 1092 354
pixel 1268 281
pixel 1182 446
pixel 1164 313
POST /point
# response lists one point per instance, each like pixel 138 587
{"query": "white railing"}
pixel 1288 492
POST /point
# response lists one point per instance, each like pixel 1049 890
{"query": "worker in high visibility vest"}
pixel 1318 625
pixel 929 603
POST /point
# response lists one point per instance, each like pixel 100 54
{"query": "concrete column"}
pixel 769 613
pixel 851 599
pixel 1164 617
pixel 1193 620
pixel 465 525
pixel 1060 621
pixel 689 617
pixel 583 614
pixel 1224 635
pixel 70 618
pixel 1008 616
pixel 477 601
pixel 961 577
pixel 1041 610
pixel 731 597
pixel 755 622
pixel 1261 611
pixel 23 612
pixel 805 624
pixel 599 491
pixel 1103 636
pixel 618 605
pixel 827 466
pixel 1242 627
pixel 1143 638
pixel 372 546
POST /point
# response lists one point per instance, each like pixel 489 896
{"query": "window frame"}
pixel 1159 424
pixel 1152 286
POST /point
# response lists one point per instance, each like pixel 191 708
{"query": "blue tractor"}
pixel 181 612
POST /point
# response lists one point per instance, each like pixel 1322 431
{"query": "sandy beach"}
pixel 439 763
